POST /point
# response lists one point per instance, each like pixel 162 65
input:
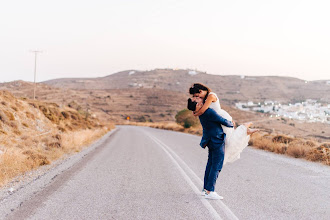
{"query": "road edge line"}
pixel 206 203
pixel 221 204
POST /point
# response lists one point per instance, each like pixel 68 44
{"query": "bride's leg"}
pixel 250 131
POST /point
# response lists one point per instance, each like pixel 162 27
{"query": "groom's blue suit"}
pixel 214 139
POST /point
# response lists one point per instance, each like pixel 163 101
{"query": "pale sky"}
pixel 93 38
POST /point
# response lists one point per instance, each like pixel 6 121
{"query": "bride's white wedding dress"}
pixel 236 139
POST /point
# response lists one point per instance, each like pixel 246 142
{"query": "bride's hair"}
pixel 196 87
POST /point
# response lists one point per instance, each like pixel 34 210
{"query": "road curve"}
pixel 145 173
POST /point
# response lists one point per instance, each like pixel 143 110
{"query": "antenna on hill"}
pixel 35 71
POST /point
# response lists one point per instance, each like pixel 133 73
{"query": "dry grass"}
pixel 36 152
pixel 170 126
pixel 291 146
pixel 75 141
pixel 280 144
pixel 13 163
pixel 33 134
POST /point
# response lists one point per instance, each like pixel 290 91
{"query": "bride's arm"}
pixel 210 98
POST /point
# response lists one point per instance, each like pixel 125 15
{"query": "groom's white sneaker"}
pixel 213 195
pixel 203 193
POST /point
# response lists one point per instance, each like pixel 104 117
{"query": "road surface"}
pixel 145 173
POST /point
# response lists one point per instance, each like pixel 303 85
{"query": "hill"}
pixel 153 104
pixel 230 89
pixel 140 104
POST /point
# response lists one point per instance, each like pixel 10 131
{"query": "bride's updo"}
pixel 196 87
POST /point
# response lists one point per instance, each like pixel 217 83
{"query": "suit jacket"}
pixel 212 130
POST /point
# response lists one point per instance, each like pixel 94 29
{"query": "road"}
pixel 146 173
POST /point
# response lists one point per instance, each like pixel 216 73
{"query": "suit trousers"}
pixel 214 164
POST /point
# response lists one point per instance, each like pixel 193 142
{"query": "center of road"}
pixel 176 160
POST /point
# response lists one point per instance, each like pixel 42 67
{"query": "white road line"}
pixel 225 208
pixel 206 203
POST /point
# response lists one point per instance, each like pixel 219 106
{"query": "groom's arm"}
pixel 214 116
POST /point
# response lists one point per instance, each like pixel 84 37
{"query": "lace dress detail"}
pixel 236 139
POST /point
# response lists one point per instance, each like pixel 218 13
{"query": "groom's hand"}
pixel 234 123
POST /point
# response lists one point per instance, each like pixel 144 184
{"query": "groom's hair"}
pixel 191 105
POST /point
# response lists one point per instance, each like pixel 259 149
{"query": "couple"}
pixel 223 141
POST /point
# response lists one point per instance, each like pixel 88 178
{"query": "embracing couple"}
pixel 224 143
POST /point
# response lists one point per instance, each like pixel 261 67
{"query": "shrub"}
pixel 30 115
pixel 141 119
pixel 310 143
pixel 10 116
pixel 74 105
pixel 320 153
pixel 65 114
pixel 3 117
pixel 296 151
pixel 17 132
pixel 282 139
pixel 186 118
pixel 36 158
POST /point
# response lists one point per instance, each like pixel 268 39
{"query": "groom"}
pixel 214 139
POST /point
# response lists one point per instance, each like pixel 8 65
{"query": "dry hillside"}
pixel 229 88
pixel 34 133
pixel 140 104
pixel 157 105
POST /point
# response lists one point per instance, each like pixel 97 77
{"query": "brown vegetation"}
pixel 292 146
pixel 157 96
pixel 281 144
pixel 160 103
pixel 34 133
pixel 170 126
pixel 186 119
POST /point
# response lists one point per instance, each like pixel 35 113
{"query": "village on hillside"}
pixel 309 110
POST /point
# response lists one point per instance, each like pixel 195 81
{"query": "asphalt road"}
pixel 145 173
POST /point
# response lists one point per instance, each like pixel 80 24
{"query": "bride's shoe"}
pixel 248 124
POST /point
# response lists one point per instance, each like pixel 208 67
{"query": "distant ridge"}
pixel 230 88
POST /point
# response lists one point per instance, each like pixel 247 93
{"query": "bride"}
pixel 236 139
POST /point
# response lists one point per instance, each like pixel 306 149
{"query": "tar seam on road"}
pixel 27 208
pixel 166 148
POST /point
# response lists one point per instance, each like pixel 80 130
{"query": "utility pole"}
pixel 35 71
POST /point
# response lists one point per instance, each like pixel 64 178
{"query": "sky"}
pixel 95 38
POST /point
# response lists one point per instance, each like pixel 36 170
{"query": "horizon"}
pixel 82 39
pixel 204 72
